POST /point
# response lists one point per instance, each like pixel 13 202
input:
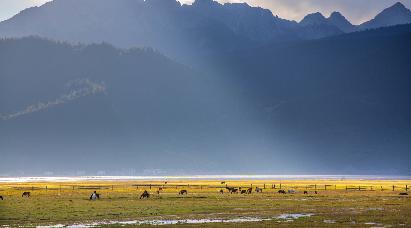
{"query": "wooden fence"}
pixel 272 186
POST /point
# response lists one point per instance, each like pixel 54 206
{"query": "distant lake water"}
pixel 203 177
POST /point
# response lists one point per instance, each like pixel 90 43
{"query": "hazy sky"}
pixel 356 11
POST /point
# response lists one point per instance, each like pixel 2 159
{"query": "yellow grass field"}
pixel 339 203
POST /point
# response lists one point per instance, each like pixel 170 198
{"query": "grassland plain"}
pixel 339 203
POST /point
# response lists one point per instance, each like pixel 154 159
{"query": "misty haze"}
pixel 208 92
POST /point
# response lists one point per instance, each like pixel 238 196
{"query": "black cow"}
pixel 403 194
pixel 281 191
pixel 232 190
pixel 182 192
pixel 94 196
pixel 305 192
pixel 26 194
pixel 145 195
pixel 243 191
pixel 222 191
pixel 1 197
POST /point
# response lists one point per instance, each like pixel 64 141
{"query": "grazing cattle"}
pixel 232 190
pixel 95 196
pixel 160 189
pixel 281 191
pixel 145 195
pixel 26 194
pixel 249 190
pixel 258 190
pixel 315 192
pixel 223 182
pixel 305 192
pixel 182 192
pixel 403 194
pixel 243 192
pixel 222 191
pixel 1 197
pixel 291 191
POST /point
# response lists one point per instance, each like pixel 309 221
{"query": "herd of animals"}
pixel 231 190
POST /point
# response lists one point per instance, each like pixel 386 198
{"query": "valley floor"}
pixel 338 204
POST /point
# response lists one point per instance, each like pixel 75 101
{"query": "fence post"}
pixel 315 187
pixel 251 185
pixel 393 187
pixel 359 188
pixel 280 185
pixel 264 186
pixel 346 188
pixel 150 186
pixel 46 187
pixel 406 188
pixel 112 187
pixel 325 187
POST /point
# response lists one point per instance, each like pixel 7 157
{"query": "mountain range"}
pixel 324 105
pixel 207 88
pixel 183 32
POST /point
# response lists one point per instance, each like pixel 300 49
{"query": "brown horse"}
pixel 26 194
pixel 222 191
pixel 182 192
pixel 145 195
pixel 249 190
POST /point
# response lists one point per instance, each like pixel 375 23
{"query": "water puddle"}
pixel 293 216
pixel 329 221
pixel 160 222
pixel 374 225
